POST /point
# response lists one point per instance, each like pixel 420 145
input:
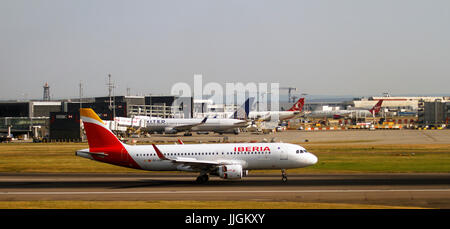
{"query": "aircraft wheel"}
pixel 202 179
pixel 283 175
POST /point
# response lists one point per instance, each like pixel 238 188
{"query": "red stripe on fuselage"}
pixel 103 141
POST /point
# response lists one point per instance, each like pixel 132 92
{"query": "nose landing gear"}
pixel 283 175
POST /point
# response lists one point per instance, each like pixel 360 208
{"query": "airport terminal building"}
pixel 33 119
pixel 54 119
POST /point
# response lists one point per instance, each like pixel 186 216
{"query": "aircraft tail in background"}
pixel 375 109
pixel 298 106
pixel 244 111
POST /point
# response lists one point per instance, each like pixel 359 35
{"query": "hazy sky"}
pixel 351 47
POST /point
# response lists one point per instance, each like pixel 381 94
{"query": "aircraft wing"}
pixel 265 117
pixel 195 162
pixel 187 161
pixel 189 127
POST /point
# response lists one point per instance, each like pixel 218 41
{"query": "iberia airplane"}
pixel 228 161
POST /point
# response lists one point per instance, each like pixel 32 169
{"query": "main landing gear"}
pixel 283 175
pixel 203 178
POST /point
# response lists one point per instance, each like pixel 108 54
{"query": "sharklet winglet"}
pixel 158 152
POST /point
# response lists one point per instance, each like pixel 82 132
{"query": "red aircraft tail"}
pixel 100 138
pixel 298 106
pixel 375 109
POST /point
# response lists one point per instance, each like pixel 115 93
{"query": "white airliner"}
pixel 175 125
pixel 218 125
pixel 228 161
pixel 295 110
pixel 344 113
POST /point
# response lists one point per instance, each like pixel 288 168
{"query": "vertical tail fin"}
pixel 244 110
pixel 100 138
pixel 375 109
pixel 298 106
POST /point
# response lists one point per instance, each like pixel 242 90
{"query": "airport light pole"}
pixel 304 95
pixel 112 101
pixel 81 94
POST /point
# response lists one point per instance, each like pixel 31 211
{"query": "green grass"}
pixel 50 158
pixel 381 163
pixel 419 158
pixel 404 158
pixel 377 148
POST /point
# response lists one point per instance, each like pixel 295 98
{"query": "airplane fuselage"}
pixel 249 155
pixel 330 114
pixel 228 161
pixel 169 125
pixel 273 115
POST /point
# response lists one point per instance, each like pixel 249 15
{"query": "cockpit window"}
pixel 298 151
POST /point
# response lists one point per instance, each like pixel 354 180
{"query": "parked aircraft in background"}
pixel 346 113
pixel 228 161
pixel 295 110
pixel 240 113
pixel 216 125
pixel 176 125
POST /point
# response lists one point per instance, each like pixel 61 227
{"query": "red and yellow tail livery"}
pixel 100 138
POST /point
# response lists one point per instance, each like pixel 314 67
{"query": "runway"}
pixel 412 190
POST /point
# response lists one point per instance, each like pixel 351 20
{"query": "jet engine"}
pixel 231 171
pixel 169 130
pixel 337 116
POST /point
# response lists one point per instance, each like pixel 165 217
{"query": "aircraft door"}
pixel 124 157
pixel 283 153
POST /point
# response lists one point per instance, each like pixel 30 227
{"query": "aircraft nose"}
pixel 312 159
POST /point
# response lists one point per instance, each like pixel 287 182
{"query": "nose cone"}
pixel 312 159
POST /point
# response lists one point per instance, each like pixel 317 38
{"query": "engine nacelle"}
pixel 169 130
pixel 337 116
pixel 231 171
